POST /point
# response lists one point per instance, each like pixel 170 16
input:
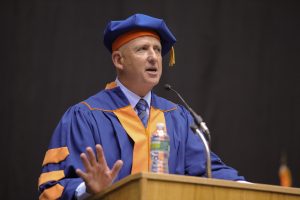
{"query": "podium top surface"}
pixel 147 178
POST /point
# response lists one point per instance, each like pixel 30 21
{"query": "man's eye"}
pixel 142 48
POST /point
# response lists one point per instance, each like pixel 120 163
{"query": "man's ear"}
pixel 117 59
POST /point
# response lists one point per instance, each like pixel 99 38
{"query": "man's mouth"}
pixel 151 69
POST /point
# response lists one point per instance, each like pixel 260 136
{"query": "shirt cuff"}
pixel 244 182
pixel 80 192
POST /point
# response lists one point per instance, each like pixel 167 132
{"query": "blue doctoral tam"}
pixel 139 21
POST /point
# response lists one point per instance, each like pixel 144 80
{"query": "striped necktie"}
pixel 141 108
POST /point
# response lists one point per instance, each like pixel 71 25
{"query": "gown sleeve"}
pixel 75 131
pixel 195 157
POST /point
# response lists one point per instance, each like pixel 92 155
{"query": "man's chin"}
pixel 153 82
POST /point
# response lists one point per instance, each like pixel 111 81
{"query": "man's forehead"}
pixel 144 40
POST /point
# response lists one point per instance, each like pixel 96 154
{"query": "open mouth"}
pixel 151 69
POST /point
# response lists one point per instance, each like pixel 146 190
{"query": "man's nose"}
pixel 152 56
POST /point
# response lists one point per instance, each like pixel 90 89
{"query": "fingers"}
pixel 86 162
pixel 100 155
pixel 91 156
pixel 92 166
pixel 82 175
pixel 116 169
pixel 89 159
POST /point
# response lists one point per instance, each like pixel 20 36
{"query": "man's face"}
pixel 141 64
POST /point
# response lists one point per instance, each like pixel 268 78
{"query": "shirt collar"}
pixel 132 97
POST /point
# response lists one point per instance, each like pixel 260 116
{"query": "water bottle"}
pixel 160 150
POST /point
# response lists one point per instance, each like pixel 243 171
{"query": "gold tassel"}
pixel 172 57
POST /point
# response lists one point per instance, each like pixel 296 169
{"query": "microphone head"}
pixel 167 87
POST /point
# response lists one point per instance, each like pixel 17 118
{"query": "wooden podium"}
pixel 150 186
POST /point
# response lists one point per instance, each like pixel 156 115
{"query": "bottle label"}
pixel 160 145
pixel 159 153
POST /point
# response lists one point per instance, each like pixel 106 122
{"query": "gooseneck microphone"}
pixel 195 127
pixel 197 118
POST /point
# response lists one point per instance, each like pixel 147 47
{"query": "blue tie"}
pixel 141 108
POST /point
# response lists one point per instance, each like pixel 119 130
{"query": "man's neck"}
pixel 136 89
pixel 132 97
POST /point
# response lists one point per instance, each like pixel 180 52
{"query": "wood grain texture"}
pixel 149 186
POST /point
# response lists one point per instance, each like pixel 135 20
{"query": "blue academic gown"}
pixel 90 123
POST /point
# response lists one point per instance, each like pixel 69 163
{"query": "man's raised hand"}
pixel 98 175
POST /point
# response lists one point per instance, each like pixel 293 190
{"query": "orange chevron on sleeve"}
pixel 52 193
pixel 56 155
pixel 51 176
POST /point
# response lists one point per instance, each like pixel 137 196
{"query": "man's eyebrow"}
pixel 141 45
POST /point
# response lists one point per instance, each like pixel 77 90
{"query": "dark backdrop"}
pixel 237 64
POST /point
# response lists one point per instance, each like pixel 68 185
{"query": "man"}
pixel 108 123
